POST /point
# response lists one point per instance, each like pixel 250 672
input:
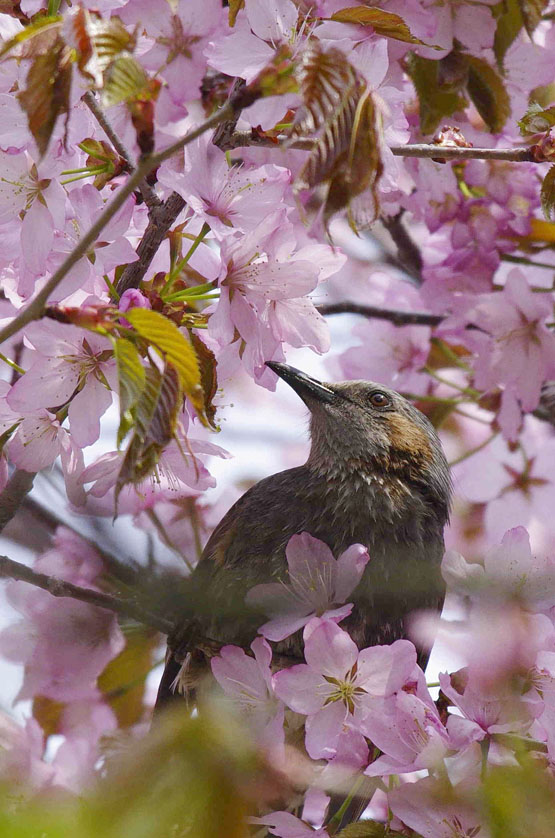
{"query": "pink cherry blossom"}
pixel 227 198
pixel 61 663
pixel 286 825
pixel 332 688
pixel 514 349
pixel 68 365
pixel 426 807
pixel 317 585
pixel 250 683
pixel 409 732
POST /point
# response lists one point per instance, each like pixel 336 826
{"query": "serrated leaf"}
pixel 98 42
pixel 536 120
pixel 362 167
pixel 330 89
pixel 131 380
pixel 547 194
pixel 174 346
pixel 531 11
pixel 487 91
pixel 46 94
pixel 235 7
pixel 36 29
pixel 435 103
pixel 208 378
pixel 124 80
pixel 387 24
pixel 156 414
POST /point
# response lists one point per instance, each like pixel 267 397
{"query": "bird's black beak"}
pixel 302 384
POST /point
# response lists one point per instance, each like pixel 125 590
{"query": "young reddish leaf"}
pixel 532 11
pixel 330 89
pixel 435 102
pixel 166 338
pixel 208 378
pixel 43 31
pixel 548 194
pixel 360 170
pixel 235 7
pixel 46 94
pixel 387 24
pixel 487 91
pixel 98 43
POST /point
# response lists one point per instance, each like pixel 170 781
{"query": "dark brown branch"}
pixel 150 197
pixel 162 218
pixel 124 608
pixel 398 318
pixel 160 221
pixel 18 487
pixel 408 252
pixel 60 588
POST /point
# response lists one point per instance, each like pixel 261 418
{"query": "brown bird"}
pixel 376 475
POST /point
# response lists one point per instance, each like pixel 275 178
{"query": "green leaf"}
pixel 435 103
pixel 547 194
pixel 387 24
pixel 531 11
pixel 123 681
pixel 235 7
pixel 509 24
pixel 164 335
pixel 487 91
pixel 156 414
pixel 131 380
pixel 125 80
pixel 46 94
pixel 37 29
pixel 536 120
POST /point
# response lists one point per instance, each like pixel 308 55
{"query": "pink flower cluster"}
pixel 371 711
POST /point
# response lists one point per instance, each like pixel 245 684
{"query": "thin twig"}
pixel 408 252
pixel 398 318
pixel 18 487
pixel 124 608
pixel 518 155
pixel 61 588
pixel 150 197
pixel 34 310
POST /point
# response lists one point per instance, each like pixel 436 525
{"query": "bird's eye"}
pixel 379 399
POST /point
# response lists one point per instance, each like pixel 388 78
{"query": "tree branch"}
pixel 518 154
pixel 398 318
pixel 18 487
pixel 60 588
pixel 160 220
pixel 34 310
pixel 408 252
pixel 124 608
pixel 150 197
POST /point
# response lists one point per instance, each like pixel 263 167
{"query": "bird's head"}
pixel 367 427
